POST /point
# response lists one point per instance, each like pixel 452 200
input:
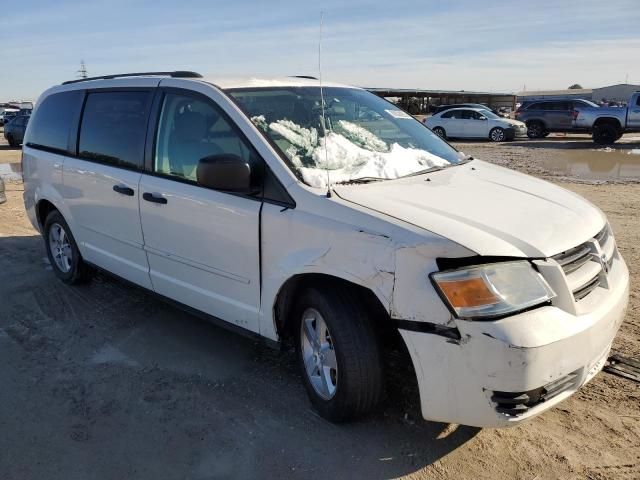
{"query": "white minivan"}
pixel 330 218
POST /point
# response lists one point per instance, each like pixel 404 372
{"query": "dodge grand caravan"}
pixel 331 218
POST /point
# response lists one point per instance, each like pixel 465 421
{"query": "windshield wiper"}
pixel 361 180
pixel 426 170
pixel 466 159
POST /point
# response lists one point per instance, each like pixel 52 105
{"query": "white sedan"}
pixel 475 123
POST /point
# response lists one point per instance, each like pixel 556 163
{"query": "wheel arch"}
pixel 535 120
pixel 43 208
pixel 284 302
pixel 608 121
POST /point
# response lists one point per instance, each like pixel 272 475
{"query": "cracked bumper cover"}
pixel 521 353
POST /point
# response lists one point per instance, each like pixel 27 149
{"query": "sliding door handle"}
pixel 124 190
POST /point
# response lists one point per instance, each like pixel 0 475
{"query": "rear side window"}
pixel 457 114
pixel 51 124
pixel 113 128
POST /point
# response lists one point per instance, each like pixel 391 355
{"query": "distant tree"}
pixel 575 86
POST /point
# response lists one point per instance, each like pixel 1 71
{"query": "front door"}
pixel 202 244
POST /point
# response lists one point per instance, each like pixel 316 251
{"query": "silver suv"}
pixel 545 116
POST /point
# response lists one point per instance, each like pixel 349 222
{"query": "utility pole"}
pixel 82 73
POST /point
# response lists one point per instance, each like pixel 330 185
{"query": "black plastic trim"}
pixel 427 327
pixel 174 74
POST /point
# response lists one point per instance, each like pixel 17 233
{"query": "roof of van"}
pixel 256 82
pixel 221 82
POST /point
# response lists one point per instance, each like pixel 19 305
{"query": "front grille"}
pixel 585 266
pixel 587 289
pixel 514 404
pixel 573 259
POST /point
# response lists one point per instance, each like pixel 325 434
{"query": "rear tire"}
pixel 340 362
pixel 62 250
pixel 535 129
pixel 440 132
pixel 605 134
pixel 11 141
pixel 497 134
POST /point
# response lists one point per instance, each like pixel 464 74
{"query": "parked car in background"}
pixel 608 124
pixel 443 108
pixel 7 114
pixel 15 129
pixel 545 116
pixel 232 199
pixel 3 197
pixel 474 123
pixel 504 112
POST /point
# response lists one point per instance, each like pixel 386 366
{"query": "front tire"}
pixel 62 250
pixel 338 353
pixel 497 134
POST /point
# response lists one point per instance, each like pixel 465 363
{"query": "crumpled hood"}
pixel 485 208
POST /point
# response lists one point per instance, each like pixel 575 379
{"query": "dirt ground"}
pixel 103 381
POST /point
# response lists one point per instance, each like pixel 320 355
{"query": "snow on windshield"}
pixel 351 152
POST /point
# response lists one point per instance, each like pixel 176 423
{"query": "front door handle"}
pixel 124 190
pixel 154 197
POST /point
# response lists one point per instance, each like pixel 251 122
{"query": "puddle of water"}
pixel 596 164
pixel 11 171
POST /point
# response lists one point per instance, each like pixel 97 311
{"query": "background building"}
pixel 613 93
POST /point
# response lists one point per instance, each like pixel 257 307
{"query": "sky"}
pixel 481 45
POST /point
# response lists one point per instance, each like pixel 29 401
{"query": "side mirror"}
pixel 482 118
pixel 225 172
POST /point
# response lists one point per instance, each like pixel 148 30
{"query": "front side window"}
pixel 192 129
pixel 361 134
pixel 113 128
pixel 52 121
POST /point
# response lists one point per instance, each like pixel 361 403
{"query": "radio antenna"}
pixel 324 118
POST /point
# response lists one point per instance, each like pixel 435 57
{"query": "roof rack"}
pixel 176 74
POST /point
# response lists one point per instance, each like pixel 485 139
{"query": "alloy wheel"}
pixel 60 247
pixel 497 135
pixel 318 354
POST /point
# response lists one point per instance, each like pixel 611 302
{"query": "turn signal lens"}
pixel 472 292
pixel 492 290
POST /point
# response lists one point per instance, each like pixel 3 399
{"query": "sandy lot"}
pixel 103 381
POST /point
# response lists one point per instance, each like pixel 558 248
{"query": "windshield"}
pixel 366 136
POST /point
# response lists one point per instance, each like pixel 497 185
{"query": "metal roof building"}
pixel 619 93
pixel 584 93
pixel 420 100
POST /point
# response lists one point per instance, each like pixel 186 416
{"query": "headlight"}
pixel 492 290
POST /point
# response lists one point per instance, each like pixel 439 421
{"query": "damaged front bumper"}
pixel 499 373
